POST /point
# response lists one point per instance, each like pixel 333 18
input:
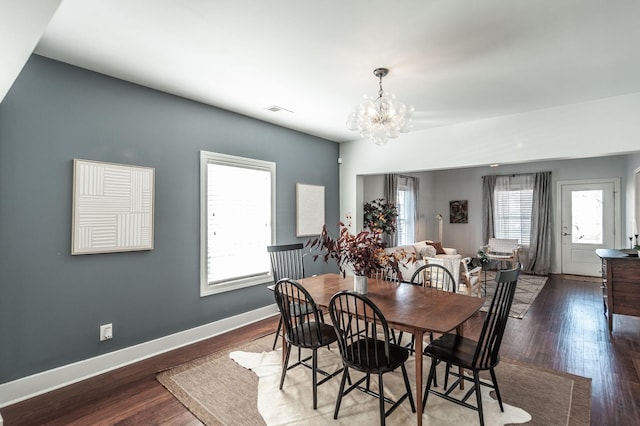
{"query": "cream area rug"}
pixel 293 405
pixel 527 290
pixel 219 390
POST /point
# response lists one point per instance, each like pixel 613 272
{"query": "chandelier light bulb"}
pixel 382 117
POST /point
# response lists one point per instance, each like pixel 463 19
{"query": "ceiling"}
pixel 454 61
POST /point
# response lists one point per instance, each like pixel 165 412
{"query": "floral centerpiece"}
pixel 380 216
pixel 363 253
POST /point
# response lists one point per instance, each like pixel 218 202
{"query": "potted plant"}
pixel 363 254
pixel 380 216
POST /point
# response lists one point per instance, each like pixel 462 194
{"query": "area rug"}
pixel 220 391
pixel 527 290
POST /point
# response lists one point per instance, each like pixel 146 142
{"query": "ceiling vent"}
pixel 276 108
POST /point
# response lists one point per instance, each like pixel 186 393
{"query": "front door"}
pixel 588 215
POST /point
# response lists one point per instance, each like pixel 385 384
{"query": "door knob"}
pixel 564 234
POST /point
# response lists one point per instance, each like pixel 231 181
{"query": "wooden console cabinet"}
pixel 620 283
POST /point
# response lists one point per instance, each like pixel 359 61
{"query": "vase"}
pixel 360 284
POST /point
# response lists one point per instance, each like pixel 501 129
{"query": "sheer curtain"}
pixel 402 192
pixel 513 199
pixel 407 203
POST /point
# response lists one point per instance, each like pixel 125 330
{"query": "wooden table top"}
pixel 403 305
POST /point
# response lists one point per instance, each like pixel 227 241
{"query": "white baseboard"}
pixel 46 381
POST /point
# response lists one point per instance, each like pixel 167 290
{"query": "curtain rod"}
pixel 517 174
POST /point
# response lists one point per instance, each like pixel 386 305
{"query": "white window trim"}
pixel 207 158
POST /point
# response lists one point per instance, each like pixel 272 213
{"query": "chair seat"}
pixel 306 335
pixel 458 351
pixel 372 353
pixel 500 255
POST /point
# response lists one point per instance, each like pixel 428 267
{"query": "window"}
pixel 237 221
pixel 513 198
pixel 587 213
pixel 406 204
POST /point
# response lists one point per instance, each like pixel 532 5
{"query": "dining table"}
pixel 406 307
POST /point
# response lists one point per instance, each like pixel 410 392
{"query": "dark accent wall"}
pixel 52 303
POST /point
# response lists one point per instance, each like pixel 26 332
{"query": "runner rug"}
pixel 220 391
pixel 527 290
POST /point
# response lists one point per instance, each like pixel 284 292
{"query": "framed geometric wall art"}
pixel 309 209
pixel 112 207
pixel 458 211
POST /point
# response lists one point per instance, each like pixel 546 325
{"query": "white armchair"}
pixel 503 249
pixel 471 277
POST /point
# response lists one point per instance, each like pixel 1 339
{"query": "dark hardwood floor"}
pixel 565 329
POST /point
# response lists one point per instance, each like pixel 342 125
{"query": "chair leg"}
pixel 408 386
pixel 275 339
pixel 476 380
pixel 447 370
pixel 383 417
pixel 285 364
pixel 432 372
pixel 314 373
pixel 345 374
pixel 495 386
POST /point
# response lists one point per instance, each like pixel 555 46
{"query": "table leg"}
pixel 419 337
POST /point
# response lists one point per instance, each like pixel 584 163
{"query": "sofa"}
pixel 429 251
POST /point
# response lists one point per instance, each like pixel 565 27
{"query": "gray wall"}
pixel 51 303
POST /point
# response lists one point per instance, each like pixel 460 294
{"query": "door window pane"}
pixel 586 217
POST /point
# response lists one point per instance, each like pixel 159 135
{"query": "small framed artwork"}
pixel 309 209
pixel 112 207
pixel 458 211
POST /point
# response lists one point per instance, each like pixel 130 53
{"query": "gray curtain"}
pixel 488 187
pixel 390 190
pixel 540 240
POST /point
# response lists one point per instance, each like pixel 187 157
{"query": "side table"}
pixel 489 264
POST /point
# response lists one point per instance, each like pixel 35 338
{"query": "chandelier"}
pixel 380 118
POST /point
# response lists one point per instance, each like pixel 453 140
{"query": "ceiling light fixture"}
pixel 380 118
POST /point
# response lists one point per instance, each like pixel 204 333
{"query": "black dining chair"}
pixel 476 356
pixel 304 327
pixel 435 276
pixel 286 262
pixel 366 345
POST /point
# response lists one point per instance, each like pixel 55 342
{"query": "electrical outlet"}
pixel 106 332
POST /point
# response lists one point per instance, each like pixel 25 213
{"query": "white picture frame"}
pixel 113 207
pixel 309 209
